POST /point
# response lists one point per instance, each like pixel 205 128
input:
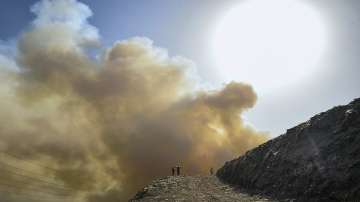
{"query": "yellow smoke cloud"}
pixel 108 126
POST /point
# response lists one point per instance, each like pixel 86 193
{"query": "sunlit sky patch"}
pixel 186 28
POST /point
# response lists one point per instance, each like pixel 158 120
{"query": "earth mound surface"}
pixel 318 160
pixel 192 189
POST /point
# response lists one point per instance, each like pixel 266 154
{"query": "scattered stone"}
pixel 318 160
pixel 193 189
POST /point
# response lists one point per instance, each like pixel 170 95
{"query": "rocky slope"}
pixel 318 160
pixel 192 189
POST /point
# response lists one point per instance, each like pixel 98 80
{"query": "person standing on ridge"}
pixel 173 171
pixel 178 170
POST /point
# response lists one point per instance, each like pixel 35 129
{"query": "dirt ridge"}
pixel 318 160
pixel 193 189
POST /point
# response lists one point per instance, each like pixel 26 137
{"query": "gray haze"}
pixel 337 82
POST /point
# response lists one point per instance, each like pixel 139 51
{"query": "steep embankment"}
pixel 192 189
pixel 318 160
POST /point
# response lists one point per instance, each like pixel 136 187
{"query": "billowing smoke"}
pixel 101 126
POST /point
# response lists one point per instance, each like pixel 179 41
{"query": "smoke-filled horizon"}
pixel 109 123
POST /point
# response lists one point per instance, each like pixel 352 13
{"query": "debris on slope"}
pixel 192 189
pixel 318 160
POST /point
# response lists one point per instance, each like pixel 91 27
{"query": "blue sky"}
pixel 180 27
pixel 183 28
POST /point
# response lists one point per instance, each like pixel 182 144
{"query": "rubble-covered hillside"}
pixel 318 160
pixel 193 189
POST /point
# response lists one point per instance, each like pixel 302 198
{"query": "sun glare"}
pixel 269 44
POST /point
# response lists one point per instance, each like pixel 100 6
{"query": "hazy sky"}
pixel 184 28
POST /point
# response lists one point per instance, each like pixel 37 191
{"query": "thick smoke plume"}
pixel 103 126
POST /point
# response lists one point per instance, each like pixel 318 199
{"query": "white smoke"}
pixel 109 126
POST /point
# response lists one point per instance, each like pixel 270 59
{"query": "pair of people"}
pixel 177 168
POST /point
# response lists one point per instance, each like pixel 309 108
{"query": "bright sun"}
pixel 269 44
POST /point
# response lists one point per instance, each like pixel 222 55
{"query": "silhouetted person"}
pixel 178 170
pixel 211 171
pixel 173 171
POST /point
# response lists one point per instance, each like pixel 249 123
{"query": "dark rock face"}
pixel 318 160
